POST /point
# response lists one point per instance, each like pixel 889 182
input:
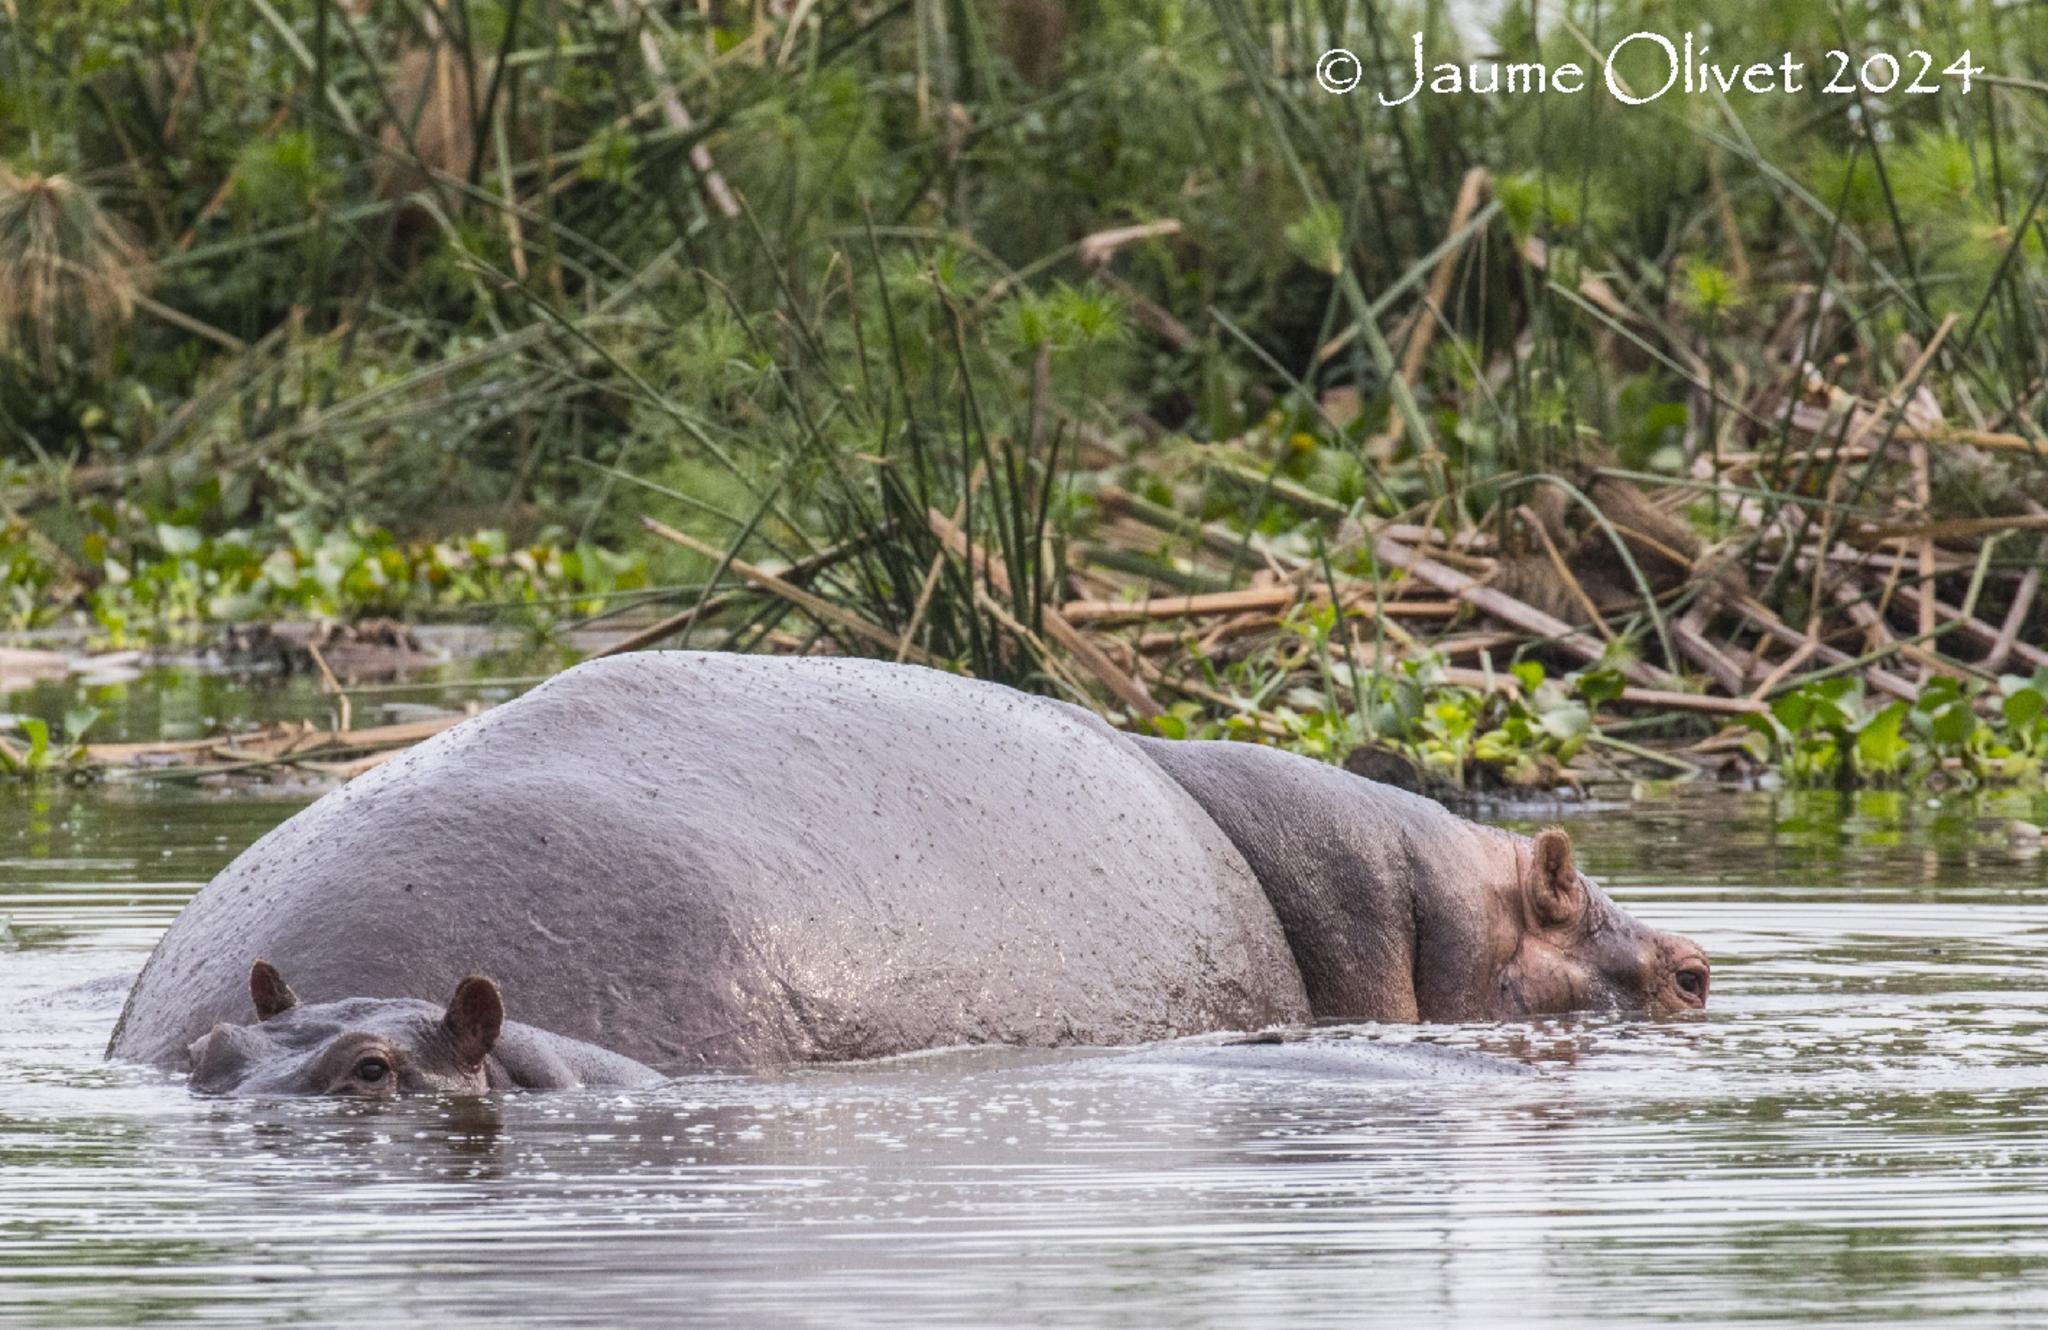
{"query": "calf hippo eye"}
pixel 1692 981
pixel 369 1076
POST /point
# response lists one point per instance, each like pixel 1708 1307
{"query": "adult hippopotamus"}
pixel 1396 909
pixel 681 860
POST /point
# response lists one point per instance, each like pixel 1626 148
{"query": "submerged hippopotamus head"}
pixel 1397 909
pixel 1562 945
pixel 375 1048
pixel 363 1047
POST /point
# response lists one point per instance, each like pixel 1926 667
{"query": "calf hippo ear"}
pixel 475 1016
pixel 1556 893
pixel 269 991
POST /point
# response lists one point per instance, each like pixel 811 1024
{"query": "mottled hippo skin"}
pixel 699 860
pixel 1396 909
pixel 676 861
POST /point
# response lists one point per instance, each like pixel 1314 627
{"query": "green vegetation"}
pixel 979 322
pixel 1828 733
pixel 176 579
pixel 1521 729
pixel 41 755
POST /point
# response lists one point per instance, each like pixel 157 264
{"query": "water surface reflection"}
pixel 1854 1132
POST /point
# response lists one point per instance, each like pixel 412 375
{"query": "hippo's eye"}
pixel 1692 983
pixel 371 1070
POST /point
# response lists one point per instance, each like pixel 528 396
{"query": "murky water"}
pixel 1857 1131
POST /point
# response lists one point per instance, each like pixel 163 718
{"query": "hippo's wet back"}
pixel 714 860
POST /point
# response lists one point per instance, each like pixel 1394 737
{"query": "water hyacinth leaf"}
pixel 1765 738
pixel 1951 724
pixel 1770 726
pixel 1169 726
pixel 2024 705
pixel 1938 693
pixel 1598 686
pixel 1816 758
pixel 78 720
pixel 1843 688
pixel 1791 711
pixel 1570 721
pixel 1881 749
pixel 1547 698
pixel 1451 720
pixel 1838 703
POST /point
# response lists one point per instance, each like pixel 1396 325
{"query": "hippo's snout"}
pixel 217 1060
pixel 219 1037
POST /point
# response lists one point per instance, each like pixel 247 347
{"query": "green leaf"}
pixel 1815 760
pixel 1766 725
pixel 38 731
pixel 1765 738
pixel 1566 722
pixel 1792 710
pixel 1598 686
pixel 1837 713
pixel 1953 724
pixel 78 720
pixel 1880 748
pixel 1846 689
pixel 1937 693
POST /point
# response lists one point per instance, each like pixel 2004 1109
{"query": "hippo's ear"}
pixel 475 1016
pixel 1556 893
pixel 269 991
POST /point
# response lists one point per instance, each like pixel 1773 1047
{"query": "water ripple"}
pixel 1857 1131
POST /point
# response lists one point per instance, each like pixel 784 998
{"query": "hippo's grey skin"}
pixel 378 1047
pixel 1397 909
pixel 699 860
pixel 727 861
